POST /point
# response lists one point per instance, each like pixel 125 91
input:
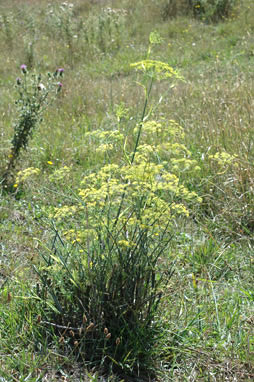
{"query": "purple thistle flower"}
pixel 60 71
pixel 23 67
pixel 60 85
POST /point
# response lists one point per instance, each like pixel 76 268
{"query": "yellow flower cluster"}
pixel 148 190
pixel 101 149
pixel 165 129
pixel 60 174
pixel 167 147
pixel 112 135
pixel 65 211
pixel 105 141
pixel 23 175
pixel 157 69
pixel 223 158
pixel 224 161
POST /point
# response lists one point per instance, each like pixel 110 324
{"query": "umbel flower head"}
pixel 158 69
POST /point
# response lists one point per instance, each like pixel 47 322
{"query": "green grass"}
pixel 207 306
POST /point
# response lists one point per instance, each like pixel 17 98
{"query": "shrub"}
pixel 173 8
pixel 212 10
pixel 206 10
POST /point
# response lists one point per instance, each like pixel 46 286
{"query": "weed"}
pixel 100 294
pixel 32 99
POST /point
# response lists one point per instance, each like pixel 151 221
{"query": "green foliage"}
pixel 5 22
pixel 173 8
pixel 100 32
pixel 226 179
pixel 103 32
pixel 205 10
pixel 33 98
pixel 213 10
pixel 102 302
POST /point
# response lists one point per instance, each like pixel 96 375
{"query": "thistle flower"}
pixel 23 67
pixel 60 71
pixel 60 85
pixel 18 81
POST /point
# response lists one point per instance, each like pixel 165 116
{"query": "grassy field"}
pixel 128 167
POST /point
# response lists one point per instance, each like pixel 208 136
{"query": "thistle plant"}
pixel 104 31
pixel 64 25
pixel 34 95
pixel 102 281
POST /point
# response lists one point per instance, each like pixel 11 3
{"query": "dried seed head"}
pixel 90 326
pixel 9 297
pixel 61 340
pixel 105 331
pixel 118 341
pixel 39 319
pixel 84 318
pixel 108 336
pixel 72 333
pixel 75 343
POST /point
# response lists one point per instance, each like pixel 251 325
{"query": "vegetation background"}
pixel 207 306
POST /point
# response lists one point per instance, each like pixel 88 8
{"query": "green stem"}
pixel 136 145
pixel 142 120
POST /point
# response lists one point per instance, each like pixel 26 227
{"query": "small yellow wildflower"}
pixel 49 162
